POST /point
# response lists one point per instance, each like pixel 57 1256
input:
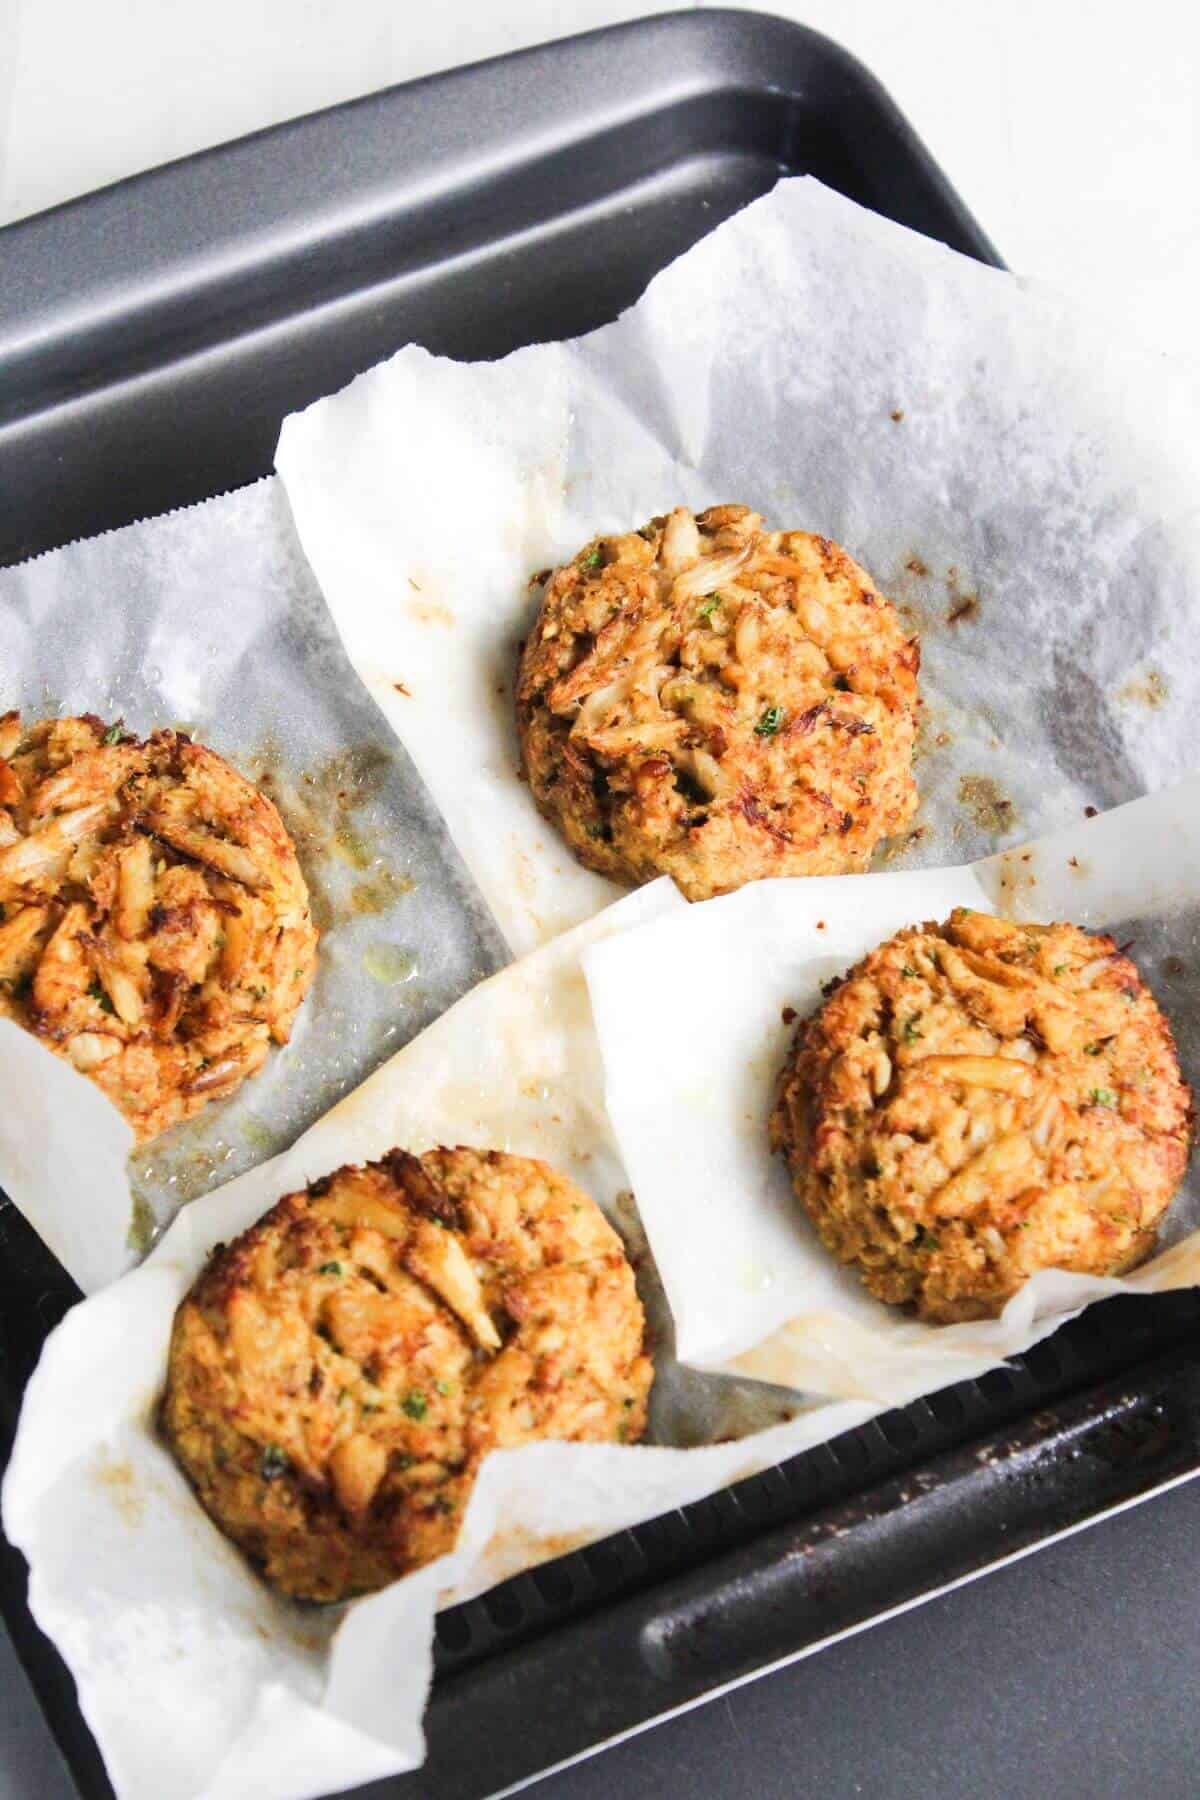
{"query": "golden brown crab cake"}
pixel 338 1373
pixel 154 923
pixel 979 1100
pixel 712 701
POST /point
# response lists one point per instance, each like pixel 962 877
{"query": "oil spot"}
pixel 389 963
pixel 258 1135
pixel 1148 690
pixel 987 806
pixel 380 893
pixel 430 612
pixel 119 1482
pixel 143 1226
pixel 348 848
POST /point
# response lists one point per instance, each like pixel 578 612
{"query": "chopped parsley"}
pixel 1059 969
pixel 593 559
pixel 273 1463
pixel 910 1031
pixel 909 974
pixel 415 1404
pixel 770 722
pixel 925 1239
pixel 115 733
pixel 1103 1097
pixel 443 1387
pixel 1092 1049
pixel 330 1268
pixel 710 606
pixel 96 992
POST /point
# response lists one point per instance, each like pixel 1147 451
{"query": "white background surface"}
pixel 1072 130
pixel 1070 127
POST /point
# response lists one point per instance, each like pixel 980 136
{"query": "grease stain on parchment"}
pixel 118 1481
pixel 1149 689
pixel 988 807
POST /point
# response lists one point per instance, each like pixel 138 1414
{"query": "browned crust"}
pixel 981 1099
pixel 338 1373
pixel 154 923
pixel 713 701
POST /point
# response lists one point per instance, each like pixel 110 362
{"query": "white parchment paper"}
pixel 210 620
pixel 1023 484
pixel 193 1678
pixel 689 1012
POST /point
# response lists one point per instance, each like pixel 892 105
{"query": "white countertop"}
pixel 1070 127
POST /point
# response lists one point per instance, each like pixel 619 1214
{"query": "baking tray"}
pixel 152 337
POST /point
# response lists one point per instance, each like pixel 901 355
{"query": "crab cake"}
pixel 979 1100
pixel 715 702
pixel 154 923
pixel 337 1375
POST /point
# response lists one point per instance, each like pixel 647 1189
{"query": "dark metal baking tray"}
pixel 152 337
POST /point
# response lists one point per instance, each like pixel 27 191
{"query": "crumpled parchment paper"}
pixel 210 620
pixel 1022 484
pixel 689 1012
pixel 194 1679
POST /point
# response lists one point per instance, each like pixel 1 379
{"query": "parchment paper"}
pixel 689 1015
pixel 1020 482
pixel 193 1678
pixel 209 619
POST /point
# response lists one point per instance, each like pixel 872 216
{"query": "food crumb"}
pixel 916 566
pixel 401 689
pixel 789 1015
pixel 897 415
pixel 1089 812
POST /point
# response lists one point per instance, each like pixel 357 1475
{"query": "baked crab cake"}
pixel 716 702
pixel 154 923
pixel 979 1100
pixel 337 1375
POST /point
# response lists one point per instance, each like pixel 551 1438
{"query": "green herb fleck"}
pixel 96 992
pixel 909 974
pixel 710 606
pixel 405 1462
pixel 1059 969
pixel 910 1031
pixel 925 1239
pixel 330 1268
pixel 593 559
pixel 1103 1097
pixel 770 722
pixel 115 733
pixel 443 1387
pixel 273 1463
pixel 1092 1049
pixel 415 1404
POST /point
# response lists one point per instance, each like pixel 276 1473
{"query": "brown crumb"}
pixel 789 1015
pixel 1089 812
pixel 897 415
pixel 964 608
pixel 401 689
pixel 916 566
